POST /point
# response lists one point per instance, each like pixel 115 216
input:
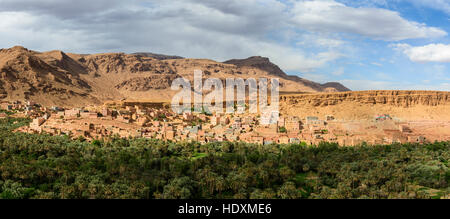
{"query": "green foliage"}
pixel 7 112
pixel 14 190
pixel 199 155
pixel 289 191
pixel 282 130
pixel 10 124
pixel 179 188
pixel 96 142
pixel 55 167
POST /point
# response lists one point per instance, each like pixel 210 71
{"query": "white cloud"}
pixel 376 23
pixel 217 30
pixel 21 28
pixel 308 40
pixel 64 9
pixel 427 53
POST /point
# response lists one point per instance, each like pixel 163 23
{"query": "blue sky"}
pixel 366 44
pixel 378 64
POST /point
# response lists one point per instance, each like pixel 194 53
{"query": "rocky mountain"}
pixel 58 78
pixel 264 64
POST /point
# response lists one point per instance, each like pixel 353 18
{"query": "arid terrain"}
pixel 141 79
pixel 364 105
pixel 65 79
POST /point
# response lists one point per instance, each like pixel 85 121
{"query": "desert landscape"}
pixel 57 78
pixel 100 95
pixel 223 106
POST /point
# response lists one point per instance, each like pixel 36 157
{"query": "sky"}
pixel 364 44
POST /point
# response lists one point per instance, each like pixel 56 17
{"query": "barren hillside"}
pixel 49 78
pixel 57 78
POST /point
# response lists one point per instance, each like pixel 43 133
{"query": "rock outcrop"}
pixel 403 105
pixel 392 98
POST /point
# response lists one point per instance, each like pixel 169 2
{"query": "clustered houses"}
pixel 160 123
pixel 17 105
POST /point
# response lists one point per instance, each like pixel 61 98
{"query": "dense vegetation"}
pixel 42 166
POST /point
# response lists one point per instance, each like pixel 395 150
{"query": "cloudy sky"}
pixel 364 44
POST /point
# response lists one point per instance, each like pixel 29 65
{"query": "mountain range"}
pixel 67 79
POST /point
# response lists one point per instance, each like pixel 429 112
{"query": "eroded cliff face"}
pixel 391 98
pixel 403 105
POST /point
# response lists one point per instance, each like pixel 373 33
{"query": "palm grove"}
pixel 56 167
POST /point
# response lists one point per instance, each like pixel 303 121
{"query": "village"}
pixel 158 122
